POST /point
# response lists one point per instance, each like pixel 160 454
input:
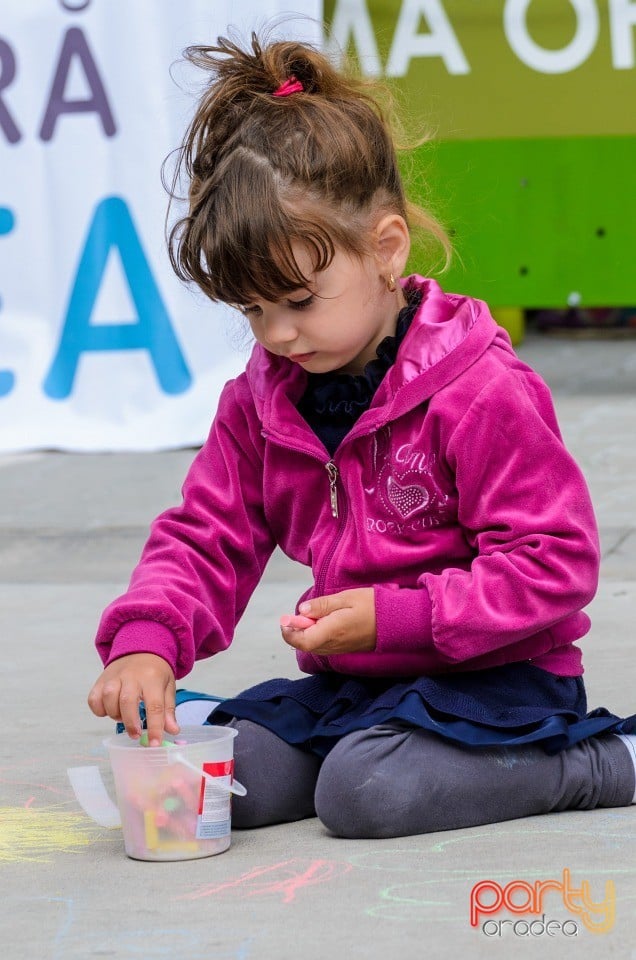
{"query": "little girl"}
pixel 385 434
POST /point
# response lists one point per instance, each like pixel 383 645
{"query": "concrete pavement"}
pixel 72 527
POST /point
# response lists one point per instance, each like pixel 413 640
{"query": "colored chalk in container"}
pixel 162 793
pixel 143 741
pixel 150 827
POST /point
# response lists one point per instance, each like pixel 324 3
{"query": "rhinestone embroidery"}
pixel 406 500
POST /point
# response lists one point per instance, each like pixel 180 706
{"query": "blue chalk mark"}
pixel 152 943
pixel 158 942
pixel 65 925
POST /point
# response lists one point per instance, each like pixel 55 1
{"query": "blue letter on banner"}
pixel 7 223
pixel 112 226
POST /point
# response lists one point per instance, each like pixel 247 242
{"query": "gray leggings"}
pixel 395 780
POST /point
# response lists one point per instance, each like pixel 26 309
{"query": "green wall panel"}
pixel 537 222
pixel 531 166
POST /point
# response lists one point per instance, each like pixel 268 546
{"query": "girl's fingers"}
pixel 96 701
pixel 129 680
pixel 110 696
pixel 129 698
pixel 297 622
pixel 309 640
pixel 169 710
pixel 157 701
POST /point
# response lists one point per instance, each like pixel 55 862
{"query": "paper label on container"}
pixel 214 814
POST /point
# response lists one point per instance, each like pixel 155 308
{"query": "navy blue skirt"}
pixel 513 704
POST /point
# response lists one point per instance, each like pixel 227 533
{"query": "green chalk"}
pixel 143 741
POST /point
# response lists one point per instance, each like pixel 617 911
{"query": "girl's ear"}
pixel 393 244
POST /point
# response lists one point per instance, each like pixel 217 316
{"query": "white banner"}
pixel 101 348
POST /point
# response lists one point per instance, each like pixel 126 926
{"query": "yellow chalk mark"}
pixel 31 835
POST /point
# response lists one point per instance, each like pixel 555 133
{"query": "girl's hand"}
pixel 345 623
pixel 126 681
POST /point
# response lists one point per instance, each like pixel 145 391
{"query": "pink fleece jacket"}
pixel 453 496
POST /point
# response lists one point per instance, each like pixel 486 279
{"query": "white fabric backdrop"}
pixel 101 348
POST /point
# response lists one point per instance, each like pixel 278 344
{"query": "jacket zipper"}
pixel 332 470
pixel 341 515
pixel 336 512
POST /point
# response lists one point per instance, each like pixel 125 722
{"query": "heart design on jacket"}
pixel 408 499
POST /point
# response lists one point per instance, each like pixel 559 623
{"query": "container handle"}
pixel 92 796
pixel 233 787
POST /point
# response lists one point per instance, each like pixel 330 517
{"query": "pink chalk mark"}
pixel 8 771
pixel 40 786
pixel 285 878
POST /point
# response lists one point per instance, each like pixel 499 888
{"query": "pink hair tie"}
pixel 292 85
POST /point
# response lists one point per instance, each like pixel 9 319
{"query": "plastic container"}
pixel 175 800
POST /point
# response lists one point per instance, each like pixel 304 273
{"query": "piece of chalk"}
pixel 143 741
pixel 187 846
pixel 297 622
pixel 150 829
pixel 180 743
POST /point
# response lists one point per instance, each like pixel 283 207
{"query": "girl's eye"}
pixel 301 304
pixel 254 311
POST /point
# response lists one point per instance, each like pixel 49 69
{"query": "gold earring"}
pixel 391 284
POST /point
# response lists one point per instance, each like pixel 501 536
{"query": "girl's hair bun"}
pixel 265 170
pixel 260 69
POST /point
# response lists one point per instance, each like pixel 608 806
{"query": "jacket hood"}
pixel 447 335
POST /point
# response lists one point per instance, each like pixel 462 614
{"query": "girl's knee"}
pixel 279 778
pixel 357 795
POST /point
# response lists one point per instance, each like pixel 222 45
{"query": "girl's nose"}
pixel 280 330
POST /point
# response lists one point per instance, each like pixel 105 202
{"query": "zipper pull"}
pixel 332 470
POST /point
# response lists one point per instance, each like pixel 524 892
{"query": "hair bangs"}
pixel 252 240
